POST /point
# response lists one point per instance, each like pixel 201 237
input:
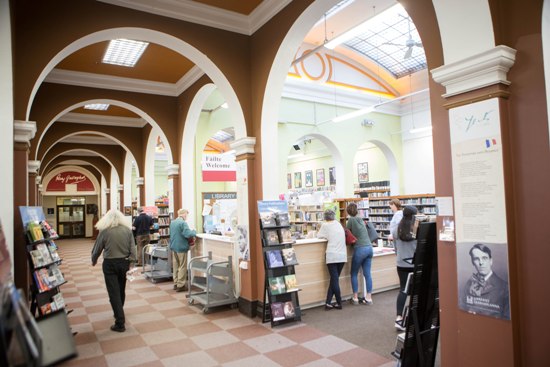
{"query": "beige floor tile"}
pixel 131 357
pixel 295 355
pixel 270 342
pixel 214 340
pixel 199 358
pixel 163 336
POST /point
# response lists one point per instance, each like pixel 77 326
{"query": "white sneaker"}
pixel 399 325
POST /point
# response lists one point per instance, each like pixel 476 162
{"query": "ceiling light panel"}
pixel 124 52
pixel 97 106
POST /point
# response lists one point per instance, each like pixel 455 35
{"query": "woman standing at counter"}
pixel 395 206
pixel 405 247
pixel 362 255
pixel 336 257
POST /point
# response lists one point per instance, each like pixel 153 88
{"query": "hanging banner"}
pixel 219 167
pixel 480 213
pixel 58 182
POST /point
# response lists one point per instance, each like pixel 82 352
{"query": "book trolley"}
pixel 281 303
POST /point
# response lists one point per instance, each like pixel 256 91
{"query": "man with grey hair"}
pixel 180 233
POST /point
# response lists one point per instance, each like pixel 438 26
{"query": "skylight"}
pixel 97 106
pixel 225 135
pixel 391 39
pixel 124 52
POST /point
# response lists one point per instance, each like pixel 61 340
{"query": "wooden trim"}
pixel 498 91
pixel 245 156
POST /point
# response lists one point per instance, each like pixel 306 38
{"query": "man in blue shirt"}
pixel 180 233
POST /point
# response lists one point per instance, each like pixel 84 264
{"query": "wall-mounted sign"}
pixel 219 168
pixel 58 182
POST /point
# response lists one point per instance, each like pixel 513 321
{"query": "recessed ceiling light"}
pixel 97 106
pixel 124 52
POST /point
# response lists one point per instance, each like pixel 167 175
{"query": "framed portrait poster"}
pixel 297 180
pixel 363 172
pixel 320 174
pixel 289 180
pixel 332 175
pixel 309 178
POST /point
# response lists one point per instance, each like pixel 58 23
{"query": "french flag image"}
pixel 490 142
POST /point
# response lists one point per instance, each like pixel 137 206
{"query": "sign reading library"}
pixel 219 168
pixel 58 182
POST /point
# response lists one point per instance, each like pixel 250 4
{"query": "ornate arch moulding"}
pixel 243 147
pixel 23 131
pixel 475 72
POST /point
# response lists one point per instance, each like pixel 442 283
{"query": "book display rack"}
pixel 281 303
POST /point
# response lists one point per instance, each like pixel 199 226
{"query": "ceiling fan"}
pixel 409 43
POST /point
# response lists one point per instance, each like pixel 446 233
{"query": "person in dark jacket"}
pixel 179 244
pixel 116 242
pixel 142 226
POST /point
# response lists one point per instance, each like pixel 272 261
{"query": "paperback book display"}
pixel 281 304
pixel 43 260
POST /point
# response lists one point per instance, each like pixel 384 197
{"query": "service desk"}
pixel 313 277
pixel 221 247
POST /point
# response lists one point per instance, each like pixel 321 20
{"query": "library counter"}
pixel 313 277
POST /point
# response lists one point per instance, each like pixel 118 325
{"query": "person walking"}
pixel 336 256
pixel 116 241
pixel 142 226
pixel 179 244
pixel 362 255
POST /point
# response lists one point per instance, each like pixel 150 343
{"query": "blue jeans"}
pixel 362 257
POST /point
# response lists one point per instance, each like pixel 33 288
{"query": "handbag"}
pixel 350 238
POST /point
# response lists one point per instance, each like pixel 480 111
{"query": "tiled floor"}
pixel 162 329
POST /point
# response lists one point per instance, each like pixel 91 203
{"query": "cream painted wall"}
pixel 378 168
pixel 348 136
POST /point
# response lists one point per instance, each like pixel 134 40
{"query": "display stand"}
pixel 214 281
pixel 417 346
pixel 281 304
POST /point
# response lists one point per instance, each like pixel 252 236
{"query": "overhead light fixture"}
pixel 124 52
pixel 420 129
pixel 364 111
pixel 97 106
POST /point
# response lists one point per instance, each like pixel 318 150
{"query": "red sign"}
pixel 58 182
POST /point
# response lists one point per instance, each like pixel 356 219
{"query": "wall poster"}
pixel 332 175
pixel 289 181
pixel 320 173
pixel 297 180
pixel 363 172
pixel 309 178
pixel 480 213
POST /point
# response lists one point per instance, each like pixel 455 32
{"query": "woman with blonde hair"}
pixel 116 242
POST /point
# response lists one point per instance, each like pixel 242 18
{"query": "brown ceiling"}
pixel 244 7
pixel 157 63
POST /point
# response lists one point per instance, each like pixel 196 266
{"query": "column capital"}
pixel 23 131
pixel 140 181
pixel 173 169
pixel 38 179
pixel 33 166
pixel 107 190
pixel 243 146
pixel 475 72
pixel 120 187
pixel 40 187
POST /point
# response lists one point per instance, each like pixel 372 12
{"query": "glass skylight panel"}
pixel 124 52
pixel 96 106
pixel 224 135
pixel 385 41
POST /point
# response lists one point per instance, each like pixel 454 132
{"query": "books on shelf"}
pixel 285 235
pixel 274 259
pixel 289 256
pixel 34 230
pixel 41 255
pixel 277 285
pixel 277 311
pixel 271 237
pixel 46 228
pixel 48 278
pixel 282 219
pixel 57 303
pixel 291 284
pixel 53 251
pixel 288 309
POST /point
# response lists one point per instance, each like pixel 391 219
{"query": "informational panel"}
pixel 219 211
pixel 480 212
